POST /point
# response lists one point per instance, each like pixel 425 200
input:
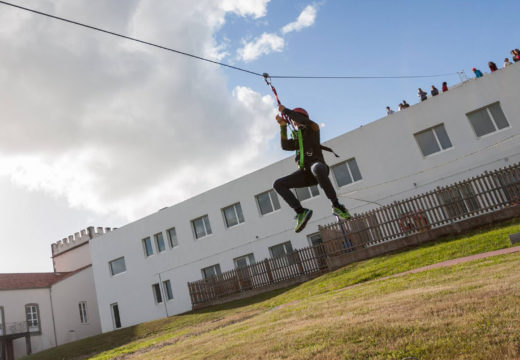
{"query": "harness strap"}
pixel 267 79
pixel 323 147
pixel 301 162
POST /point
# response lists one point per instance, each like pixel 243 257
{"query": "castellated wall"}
pixel 73 252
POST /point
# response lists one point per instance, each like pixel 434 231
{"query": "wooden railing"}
pixel 299 263
pixel 479 195
pixel 13 328
pixel 489 192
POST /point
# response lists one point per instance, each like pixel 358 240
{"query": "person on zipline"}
pixel 312 167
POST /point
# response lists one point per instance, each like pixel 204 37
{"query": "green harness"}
pixel 297 134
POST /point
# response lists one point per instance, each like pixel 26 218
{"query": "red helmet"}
pixel 301 111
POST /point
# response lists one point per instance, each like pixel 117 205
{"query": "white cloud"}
pixel 257 8
pixel 271 42
pixel 118 127
pixel 265 44
pixel 306 19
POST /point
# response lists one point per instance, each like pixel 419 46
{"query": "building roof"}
pixel 19 281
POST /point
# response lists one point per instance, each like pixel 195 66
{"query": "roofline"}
pixel 72 248
pixel 65 276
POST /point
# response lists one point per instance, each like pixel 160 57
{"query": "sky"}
pixel 97 130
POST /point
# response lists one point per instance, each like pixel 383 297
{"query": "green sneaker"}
pixel 341 212
pixel 302 219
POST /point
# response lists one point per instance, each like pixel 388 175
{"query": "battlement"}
pixel 77 239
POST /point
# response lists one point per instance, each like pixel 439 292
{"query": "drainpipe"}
pixel 164 300
pixel 53 319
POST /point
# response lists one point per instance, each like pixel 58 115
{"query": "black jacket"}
pixel 310 137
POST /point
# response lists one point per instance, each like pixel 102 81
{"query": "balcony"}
pixel 10 332
pixel 13 329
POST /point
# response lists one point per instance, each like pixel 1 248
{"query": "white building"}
pixel 55 308
pixel 142 269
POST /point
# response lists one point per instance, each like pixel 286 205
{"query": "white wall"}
pixel 66 296
pixel 14 302
pixel 72 259
pixel 387 153
pixel 392 167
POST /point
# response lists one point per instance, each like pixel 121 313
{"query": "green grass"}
pixel 468 311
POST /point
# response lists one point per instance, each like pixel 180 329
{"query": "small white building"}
pixel 142 269
pixel 53 308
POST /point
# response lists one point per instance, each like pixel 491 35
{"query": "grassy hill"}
pixel 465 311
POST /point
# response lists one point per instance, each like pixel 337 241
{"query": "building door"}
pixel 116 319
pixel 2 322
pixel 2 333
pixel 242 265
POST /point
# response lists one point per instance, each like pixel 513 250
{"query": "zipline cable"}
pixel 129 38
pixel 213 61
pixel 359 77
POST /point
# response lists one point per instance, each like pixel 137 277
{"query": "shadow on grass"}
pixel 243 302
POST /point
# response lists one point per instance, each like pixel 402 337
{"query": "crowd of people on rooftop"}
pixel 423 95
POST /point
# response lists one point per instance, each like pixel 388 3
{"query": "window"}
pixel 307 192
pixel 172 237
pixel 147 246
pixel 346 172
pixel 32 316
pixel 315 239
pixel 244 261
pixel 116 319
pixel 211 271
pixel 458 200
pixel 157 293
pixel 488 119
pixel 233 215
pixel 433 140
pixel 117 266
pixel 159 242
pixel 83 312
pixel 281 249
pixel 168 289
pixel 282 252
pixel 267 202
pixel 509 183
pixel 201 226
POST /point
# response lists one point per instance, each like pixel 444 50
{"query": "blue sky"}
pixel 100 131
pixel 377 38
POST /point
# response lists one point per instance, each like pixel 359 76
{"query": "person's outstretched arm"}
pixel 287 144
pixel 295 116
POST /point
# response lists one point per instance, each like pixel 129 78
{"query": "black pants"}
pixel 318 174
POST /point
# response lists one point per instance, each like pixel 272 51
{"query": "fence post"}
pixel 299 262
pixel 268 270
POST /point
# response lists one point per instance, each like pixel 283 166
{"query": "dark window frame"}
pixel 206 224
pixel 173 241
pixel 274 202
pixel 38 319
pixel 237 212
pixel 353 172
pixel 111 268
